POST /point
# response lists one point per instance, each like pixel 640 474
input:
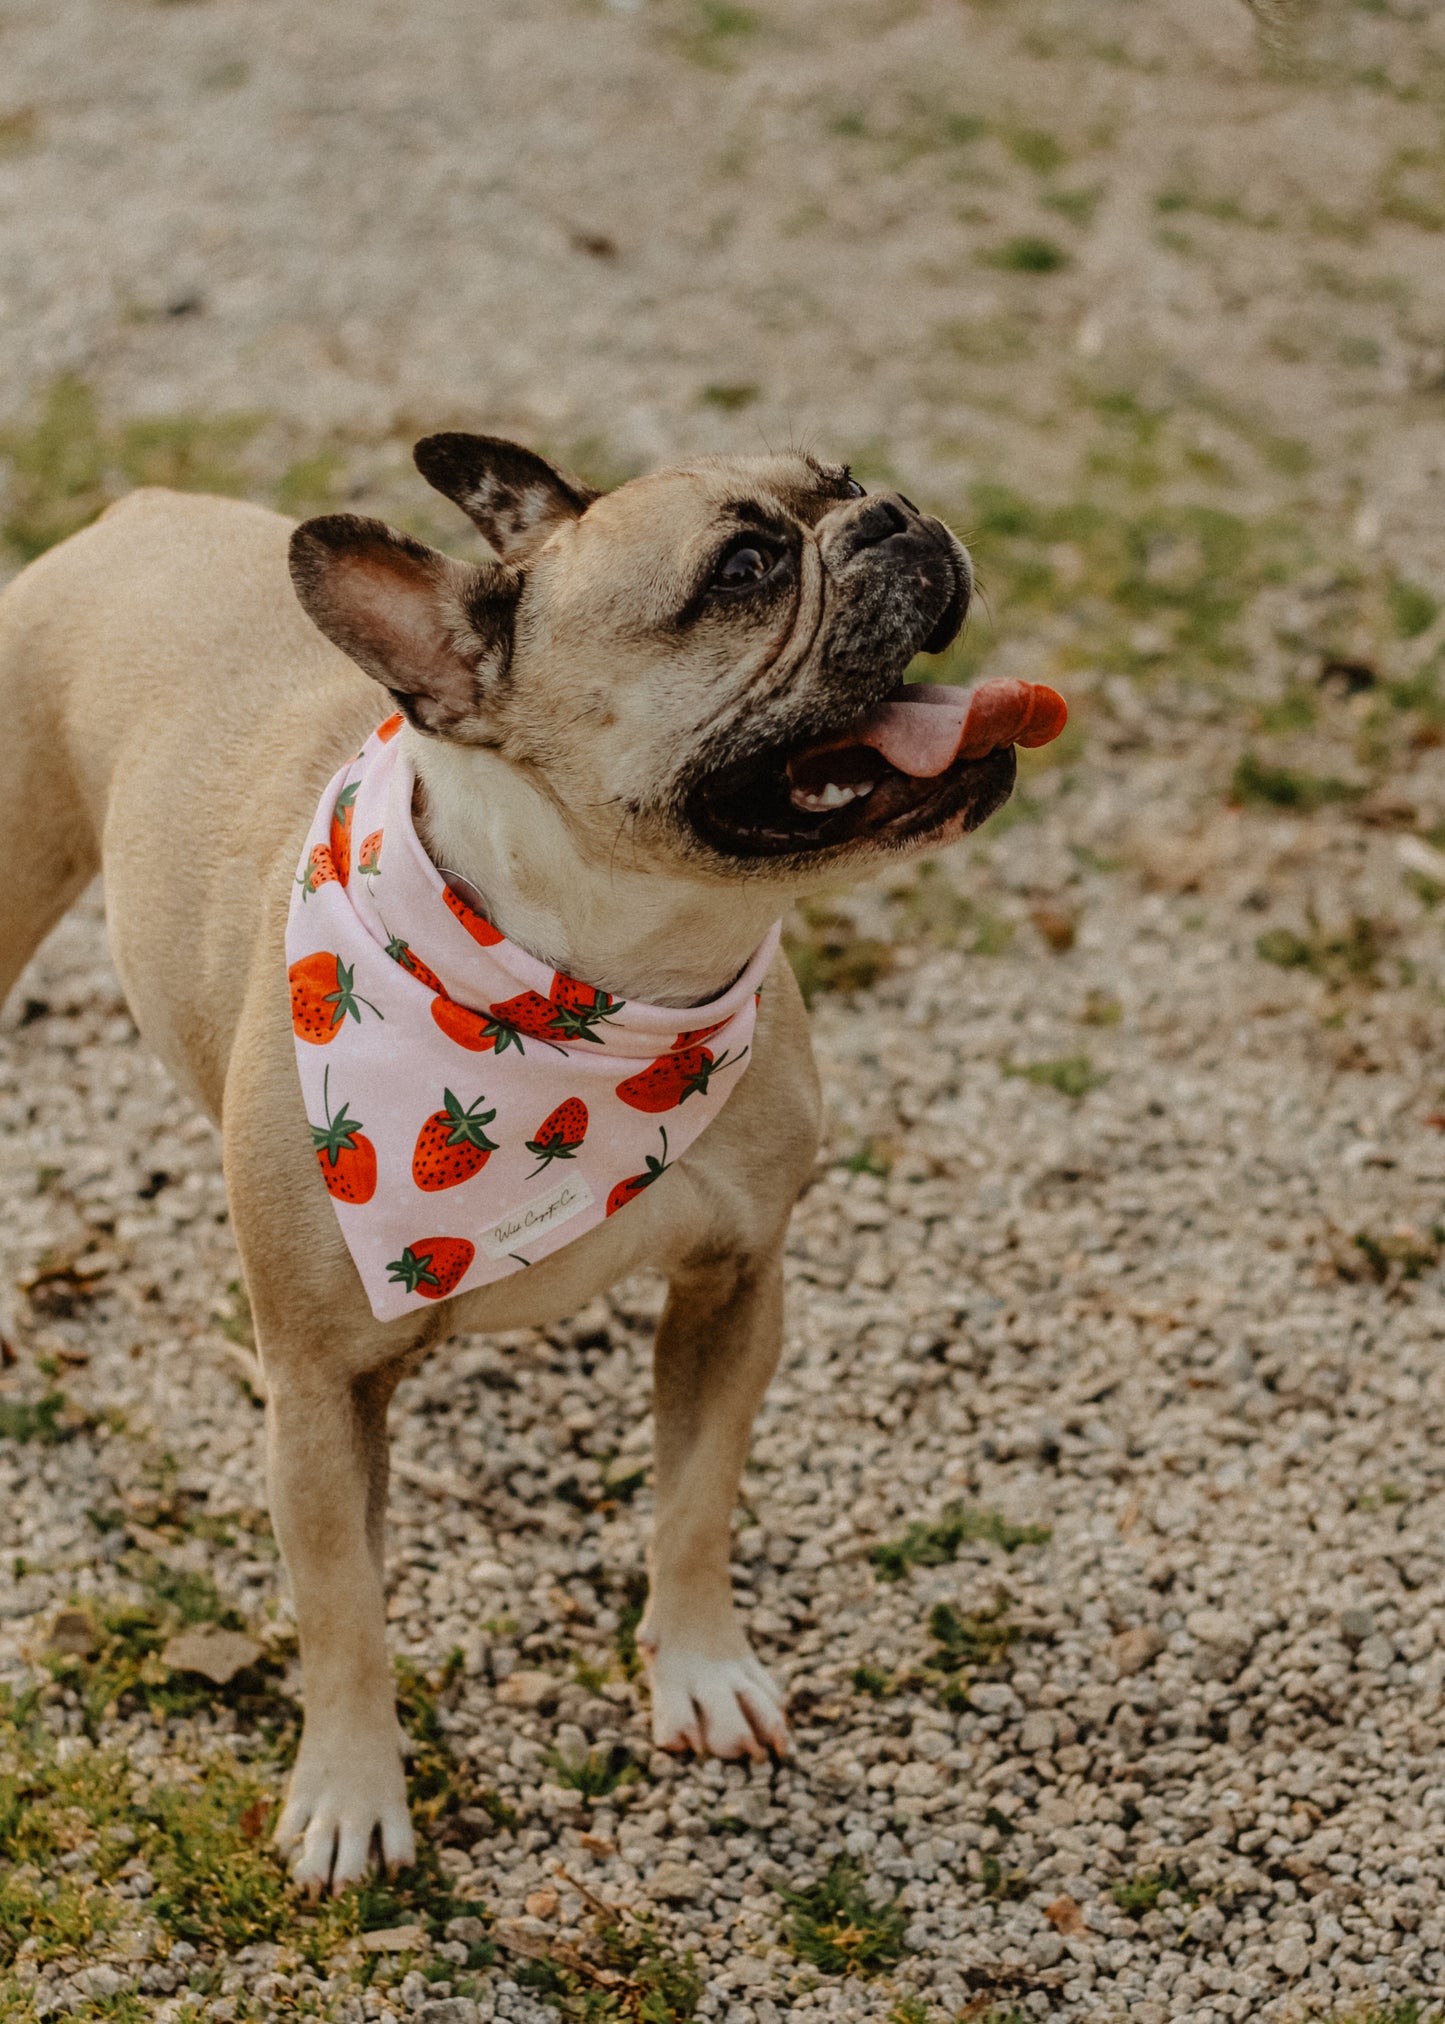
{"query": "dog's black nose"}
pixel 878 520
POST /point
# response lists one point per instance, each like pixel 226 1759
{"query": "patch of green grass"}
pixel 126 1662
pixel 496 1808
pixel 1036 149
pixel 828 955
pixel 924 124
pixel 592 1677
pixel 1354 956
pixel 33 1419
pixel 730 395
pixel 933 908
pixel 1028 253
pixel 1406 2010
pixel 71 1822
pixel 217 1884
pixel 1404 1254
pixel 434 1781
pixel 1073 1075
pixel 870 1158
pixel 611 1490
pixel 19 130
pixel 1101 1008
pixel 1141 1893
pixel 623 1969
pixel 1412 189
pixel 835 1925
pixel 1375 1500
pixel 599 1773
pixel 1296 710
pixel 1419 693
pixel 975 1638
pixel 233 1316
pixel 1181 197
pixel 1078 205
pixel 1257 784
pixel 709 31
pixel 934 1545
pixel 874 1681
pixel 1413 609
pixel 68 464
pixel 1185 572
pixel 311 484
pixel 1006 1886
pixel 1286 454
pixel 996 339
pixel 47 1811
pixel 911 2009
pixel 629 1616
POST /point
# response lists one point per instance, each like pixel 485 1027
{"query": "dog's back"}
pixel 165 701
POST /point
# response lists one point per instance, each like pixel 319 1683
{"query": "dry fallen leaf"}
pixel 527 1689
pixel 394 1940
pixel 73 1633
pixel 252 1822
pixel 217 1654
pixel 1065 1916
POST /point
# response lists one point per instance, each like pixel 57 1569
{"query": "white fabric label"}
pixel 533 1219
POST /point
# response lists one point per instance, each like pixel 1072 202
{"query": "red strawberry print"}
pixel 580 1007
pixel 400 952
pixel 320 870
pixel 472 1030
pixel 528 1013
pixel 477 925
pixel 348 1161
pixel 628 1190
pixel 452 1146
pixel 500 1026
pixel 673 1078
pixel 387 731
pixel 433 1266
pixel 699 1034
pixel 368 858
pixel 341 819
pixel 559 1134
pixel 322 997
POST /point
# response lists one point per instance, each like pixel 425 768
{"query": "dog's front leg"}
pixel 327 1471
pixel 717 1346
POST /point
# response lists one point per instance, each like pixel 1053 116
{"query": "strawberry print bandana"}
pixel 471 1109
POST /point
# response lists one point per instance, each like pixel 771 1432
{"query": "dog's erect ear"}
pixel 436 632
pixel 513 495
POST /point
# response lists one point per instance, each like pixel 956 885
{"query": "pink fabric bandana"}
pixel 486 1109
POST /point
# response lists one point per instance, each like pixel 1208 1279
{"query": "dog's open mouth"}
pixel 926 758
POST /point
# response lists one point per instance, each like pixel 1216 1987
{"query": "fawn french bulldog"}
pixel 622 747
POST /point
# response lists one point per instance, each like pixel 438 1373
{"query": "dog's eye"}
pixel 746 563
pixel 851 488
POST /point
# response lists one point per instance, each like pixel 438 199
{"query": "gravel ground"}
pixel 1127 1232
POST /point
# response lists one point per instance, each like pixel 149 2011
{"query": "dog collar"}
pixel 471 1109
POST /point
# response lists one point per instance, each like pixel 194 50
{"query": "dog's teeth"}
pixel 834 795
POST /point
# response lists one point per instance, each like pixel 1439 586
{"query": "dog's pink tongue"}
pixel 924 732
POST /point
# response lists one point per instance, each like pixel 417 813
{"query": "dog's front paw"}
pixel 723 1707
pixel 344 1798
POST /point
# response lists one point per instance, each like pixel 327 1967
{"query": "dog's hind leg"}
pixel 717 1346
pixel 48 848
